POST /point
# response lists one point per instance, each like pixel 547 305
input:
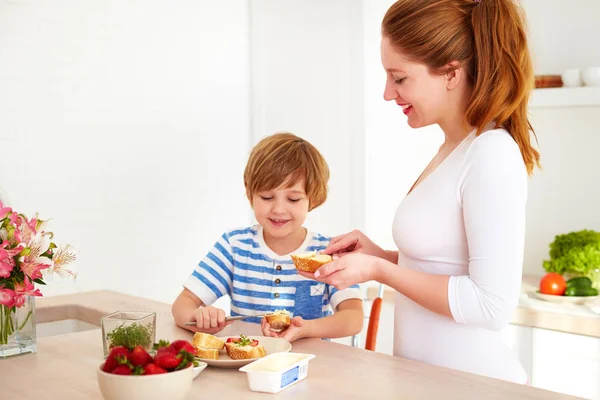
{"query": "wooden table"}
pixel 65 366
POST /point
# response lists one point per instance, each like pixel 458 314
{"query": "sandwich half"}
pixel 207 346
pixel 243 348
pixel 280 320
pixel 310 262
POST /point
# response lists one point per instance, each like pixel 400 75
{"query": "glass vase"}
pixel 17 329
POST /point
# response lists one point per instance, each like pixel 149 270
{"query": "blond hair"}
pixel 488 39
pixel 284 159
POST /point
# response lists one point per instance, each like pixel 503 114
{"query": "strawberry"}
pixel 232 340
pixel 153 369
pixel 122 370
pixel 173 361
pixel 167 360
pixel 139 356
pixel 183 344
pixel 112 361
pixel 164 345
pixel 254 343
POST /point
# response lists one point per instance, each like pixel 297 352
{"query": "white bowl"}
pixel 201 366
pixel 172 385
pixel 591 76
pixel 571 78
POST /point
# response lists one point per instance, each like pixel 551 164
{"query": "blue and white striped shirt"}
pixel 258 280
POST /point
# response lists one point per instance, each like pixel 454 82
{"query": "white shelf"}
pixel 565 97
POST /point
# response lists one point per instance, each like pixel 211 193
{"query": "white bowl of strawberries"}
pixel 138 375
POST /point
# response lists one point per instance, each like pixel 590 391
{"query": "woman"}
pixel 463 65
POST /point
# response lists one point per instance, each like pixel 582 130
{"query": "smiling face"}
pixel 282 211
pixel 424 98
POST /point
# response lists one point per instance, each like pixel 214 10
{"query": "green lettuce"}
pixel 575 253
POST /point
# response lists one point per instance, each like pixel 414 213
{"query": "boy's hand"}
pixel 291 334
pixel 209 320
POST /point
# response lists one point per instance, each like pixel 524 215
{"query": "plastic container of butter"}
pixel 277 371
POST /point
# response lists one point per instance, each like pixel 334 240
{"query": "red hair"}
pixel 488 38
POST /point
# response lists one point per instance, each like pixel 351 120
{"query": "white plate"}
pixel 564 299
pixel 271 345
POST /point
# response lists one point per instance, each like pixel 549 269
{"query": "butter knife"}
pixel 227 319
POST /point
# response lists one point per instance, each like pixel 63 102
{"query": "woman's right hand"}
pixel 354 242
pixel 209 319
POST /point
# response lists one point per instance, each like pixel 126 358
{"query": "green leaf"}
pixel 161 343
pixel 39 281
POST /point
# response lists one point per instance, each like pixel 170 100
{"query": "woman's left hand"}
pixel 346 271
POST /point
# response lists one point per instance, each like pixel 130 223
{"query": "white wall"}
pixel 563 34
pixel 307 79
pixel 563 196
pixel 128 123
pixel 395 154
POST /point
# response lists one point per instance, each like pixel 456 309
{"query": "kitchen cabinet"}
pixel 566 363
pixel 558 361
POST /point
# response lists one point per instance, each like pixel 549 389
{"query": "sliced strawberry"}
pixel 231 339
pixel 153 369
pixel 183 344
pixel 139 356
pixel 122 370
pixel 112 361
pixel 254 343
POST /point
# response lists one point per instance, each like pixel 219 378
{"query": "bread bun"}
pixel 278 322
pixel 204 340
pixel 310 262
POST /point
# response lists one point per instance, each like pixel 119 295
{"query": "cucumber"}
pixel 579 291
pixel 580 282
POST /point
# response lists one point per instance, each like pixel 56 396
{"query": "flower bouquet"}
pixel 28 255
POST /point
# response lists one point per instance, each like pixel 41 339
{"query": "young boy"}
pixel 285 178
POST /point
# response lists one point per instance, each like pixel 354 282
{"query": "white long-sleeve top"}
pixel 466 220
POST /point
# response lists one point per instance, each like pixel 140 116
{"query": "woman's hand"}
pixel 291 334
pixel 346 270
pixel 354 242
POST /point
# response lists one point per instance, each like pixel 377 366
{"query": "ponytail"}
pixel 503 76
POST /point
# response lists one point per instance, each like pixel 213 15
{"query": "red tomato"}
pixel 553 283
pixel 254 343
pixel 231 339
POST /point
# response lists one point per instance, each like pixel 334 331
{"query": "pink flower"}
pixel 7 259
pixel 33 269
pixel 13 217
pixel 7 297
pixel 28 229
pixel 4 211
pixel 24 289
pixel 6 265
